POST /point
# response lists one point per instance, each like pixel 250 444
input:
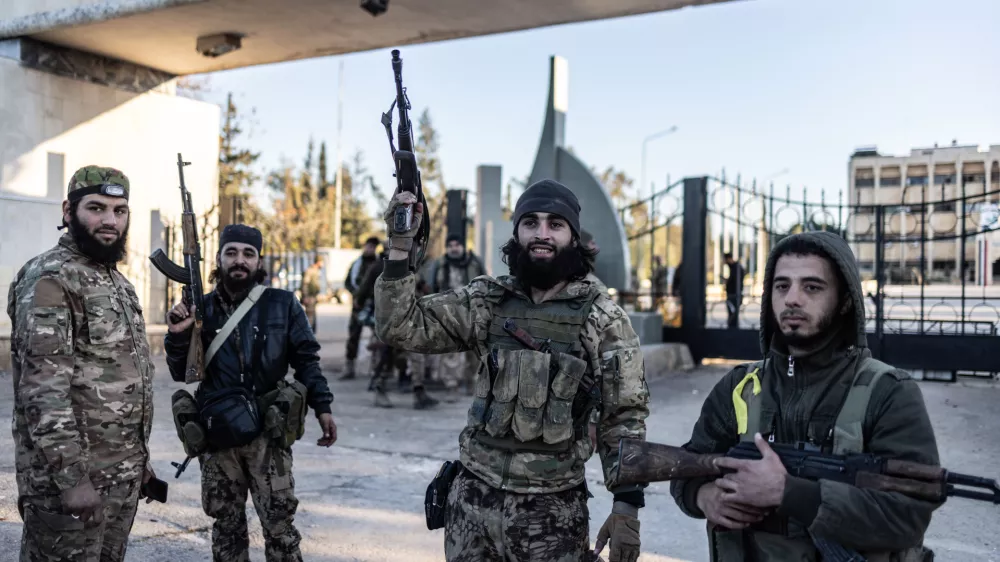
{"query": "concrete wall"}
pixel 51 125
pixel 11 9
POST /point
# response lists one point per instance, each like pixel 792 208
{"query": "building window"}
pixel 916 180
pixel 973 178
pixel 56 176
pixel 889 182
pixel 864 182
pixel 944 179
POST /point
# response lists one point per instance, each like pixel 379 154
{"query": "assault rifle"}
pixel 643 461
pixel 189 275
pixel 407 174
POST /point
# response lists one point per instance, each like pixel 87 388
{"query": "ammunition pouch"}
pixel 285 413
pixel 231 418
pixel 531 399
pixel 187 421
pixel 435 500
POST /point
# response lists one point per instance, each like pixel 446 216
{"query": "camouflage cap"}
pixel 95 179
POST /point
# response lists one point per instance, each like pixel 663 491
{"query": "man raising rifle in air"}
pixel 554 347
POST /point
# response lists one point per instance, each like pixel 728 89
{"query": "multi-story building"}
pixel 929 194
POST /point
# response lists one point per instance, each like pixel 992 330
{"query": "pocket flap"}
pixel 505 386
pixel 568 376
pixel 57 521
pixel 533 378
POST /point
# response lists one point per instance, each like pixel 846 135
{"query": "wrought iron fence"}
pixel 924 262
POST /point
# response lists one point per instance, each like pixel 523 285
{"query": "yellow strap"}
pixel 739 405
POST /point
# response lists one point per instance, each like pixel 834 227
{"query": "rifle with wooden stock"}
pixel 189 275
pixel 643 461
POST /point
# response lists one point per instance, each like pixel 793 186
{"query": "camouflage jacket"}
pixel 83 395
pixel 460 320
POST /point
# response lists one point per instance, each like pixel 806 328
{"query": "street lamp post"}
pixel 652 190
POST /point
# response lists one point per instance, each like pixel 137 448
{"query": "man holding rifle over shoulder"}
pixel 819 385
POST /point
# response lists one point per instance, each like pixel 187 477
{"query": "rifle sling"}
pixel 230 325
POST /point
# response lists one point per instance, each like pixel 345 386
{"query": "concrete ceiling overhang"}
pixel 161 34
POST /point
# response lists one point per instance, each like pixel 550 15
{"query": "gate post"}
pixel 879 279
pixel 693 258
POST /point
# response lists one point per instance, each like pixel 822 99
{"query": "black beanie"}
pixel 453 237
pixel 549 196
pixel 241 233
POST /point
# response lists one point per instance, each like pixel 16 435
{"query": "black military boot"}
pixel 422 400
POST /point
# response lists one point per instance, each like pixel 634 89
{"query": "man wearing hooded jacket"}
pixel 819 384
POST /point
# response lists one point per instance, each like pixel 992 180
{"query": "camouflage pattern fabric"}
pixel 83 395
pixel 89 176
pixel 483 524
pixel 50 535
pixel 461 319
pixel 415 364
pixel 264 470
pixel 458 369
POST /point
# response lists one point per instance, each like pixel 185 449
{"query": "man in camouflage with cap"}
pixel 521 493
pixel 83 396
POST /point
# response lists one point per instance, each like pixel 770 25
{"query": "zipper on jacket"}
pixel 508 457
pixel 791 366
pixel 138 361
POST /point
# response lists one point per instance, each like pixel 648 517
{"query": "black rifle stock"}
pixel 643 461
pixel 189 275
pixel 405 161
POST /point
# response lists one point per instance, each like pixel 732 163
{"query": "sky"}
pixel 778 90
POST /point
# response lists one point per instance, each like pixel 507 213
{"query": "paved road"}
pixel 362 500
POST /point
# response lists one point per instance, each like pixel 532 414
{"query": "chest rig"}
pixel 525 398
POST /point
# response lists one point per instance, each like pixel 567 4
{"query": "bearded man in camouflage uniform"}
pixel 83 396
pixel 521 493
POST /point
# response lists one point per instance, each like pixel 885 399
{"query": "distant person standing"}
pixel 311 289
pixel 734 289
pixel 354 277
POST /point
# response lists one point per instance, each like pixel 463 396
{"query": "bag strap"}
pixel 257 355
pixel 230 324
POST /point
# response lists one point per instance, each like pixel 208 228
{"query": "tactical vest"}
pixel 526 401
pixel 848 438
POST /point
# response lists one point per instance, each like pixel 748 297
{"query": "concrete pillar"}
pixel 491 228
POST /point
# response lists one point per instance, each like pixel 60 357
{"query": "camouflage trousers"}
pixel 458 369
pixel 264 470
pixel 50 535
pixel 484 524
pixel 394 358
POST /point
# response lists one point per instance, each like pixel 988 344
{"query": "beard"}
pixel 236 286
pixel 93 247
pixel 565 264
pixel 795 338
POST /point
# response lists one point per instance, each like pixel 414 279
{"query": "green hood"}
pixel 836 248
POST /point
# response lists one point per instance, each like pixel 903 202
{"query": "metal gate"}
pixel 925 266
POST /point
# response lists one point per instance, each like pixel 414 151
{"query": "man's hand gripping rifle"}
pixel 407 177
pixel 189 275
